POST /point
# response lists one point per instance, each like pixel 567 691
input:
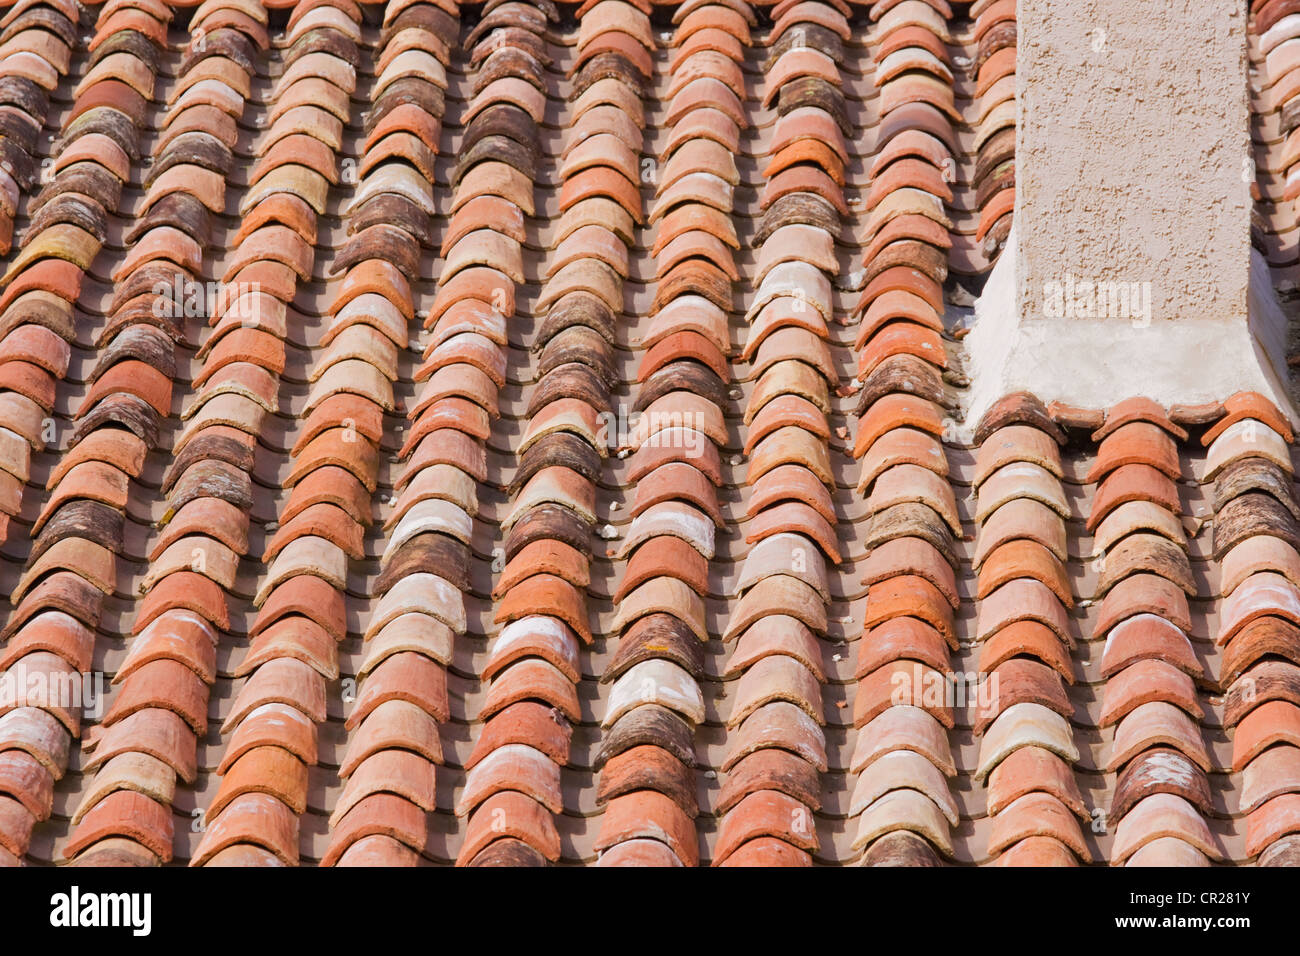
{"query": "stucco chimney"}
pixel 1129 271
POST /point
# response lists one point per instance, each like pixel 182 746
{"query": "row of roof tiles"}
pixel 512 788
pixel 78 534
pixel 902 760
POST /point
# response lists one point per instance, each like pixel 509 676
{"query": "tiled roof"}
pixel 518 435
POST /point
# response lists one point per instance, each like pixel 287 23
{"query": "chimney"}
pixel 1129 269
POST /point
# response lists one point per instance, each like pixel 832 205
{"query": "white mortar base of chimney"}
pixel 1095 363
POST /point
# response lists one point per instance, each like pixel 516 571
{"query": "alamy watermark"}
pixel 622 428
pixel 23 686
pixel 189 298
pixel 922 686
pixel 77 909
pixel 1075 297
